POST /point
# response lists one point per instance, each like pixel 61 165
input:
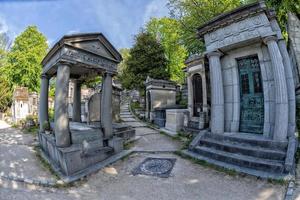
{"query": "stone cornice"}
pixel 230 17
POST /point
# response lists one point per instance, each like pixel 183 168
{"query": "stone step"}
pixel 191 130
pixel 248 150
pixel 241 160
pixel 249 139
pixel 245 170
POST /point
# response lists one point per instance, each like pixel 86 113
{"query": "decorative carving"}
pixel 252 27
pixel 84 57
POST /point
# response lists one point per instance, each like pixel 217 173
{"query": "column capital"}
pixel 270 38
pixel 108 73
pixel 77 81
pixel 45 76
pixel 214 53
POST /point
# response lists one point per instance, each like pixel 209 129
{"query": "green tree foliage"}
pixel 282 8
pixel 194 13
pixel 125 52
pixel 24 60
pixel 168 32
pixel 147 58
pixel 122 67
pixel 5 91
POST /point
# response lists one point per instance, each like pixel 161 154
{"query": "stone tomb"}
pixel 197 78
pixel 24 103
pixel 159 94
pixel 76 149
pixel 252 94
pixel 174 120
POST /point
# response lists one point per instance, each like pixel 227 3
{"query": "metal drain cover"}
pixel 160 167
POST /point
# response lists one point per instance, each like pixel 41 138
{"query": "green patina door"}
pixel 251 92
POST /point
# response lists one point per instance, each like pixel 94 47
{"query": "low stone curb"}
pixel 44 183
pixel 290 190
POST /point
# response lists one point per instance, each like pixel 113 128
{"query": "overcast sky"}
pixel 118 20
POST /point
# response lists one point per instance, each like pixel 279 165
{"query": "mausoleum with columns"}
pixel 252 124
pixel 76 148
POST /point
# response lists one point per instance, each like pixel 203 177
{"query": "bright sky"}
pixel 118 20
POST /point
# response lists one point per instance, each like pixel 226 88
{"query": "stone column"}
pixel 106 105
pixel 190 94
pixel 61 118
pixel 290 86
pixel 288 75
pixel 77 102
pixel 281 96
pixel 217 94
pixel 43 110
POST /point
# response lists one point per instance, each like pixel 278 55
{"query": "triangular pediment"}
pixel 95 47
pixel 94 43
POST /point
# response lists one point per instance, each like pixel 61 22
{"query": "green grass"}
pixel 43 162
pixel 129 145
pixel 32 130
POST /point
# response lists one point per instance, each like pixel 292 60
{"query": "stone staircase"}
pixel 246 153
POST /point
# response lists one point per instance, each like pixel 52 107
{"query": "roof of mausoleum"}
pixel 75 40
pixel 87 55
pixel 152 81
pixel 21 93
pixel 234 15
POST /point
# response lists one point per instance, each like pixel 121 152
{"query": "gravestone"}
pixel 94 106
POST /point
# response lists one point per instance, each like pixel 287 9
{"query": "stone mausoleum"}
pixel 75 149
pixel 159 94
pixel 196 70
pixel 24 103
pixel 252 94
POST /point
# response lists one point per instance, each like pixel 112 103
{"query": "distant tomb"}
pixel 24 103
pixel 198 93
pixel 159 94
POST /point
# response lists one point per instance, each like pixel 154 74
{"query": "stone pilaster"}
pixel 43 110
pixel 281 96
pixel 288 75
pixel 217 93
pixel 106 107
pixel 77 102
pixel 290 87
pixel 61 119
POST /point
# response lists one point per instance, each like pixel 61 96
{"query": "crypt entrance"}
pixel 251 95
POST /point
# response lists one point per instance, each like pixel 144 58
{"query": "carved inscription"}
pixel 249 28
pixel 84 57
